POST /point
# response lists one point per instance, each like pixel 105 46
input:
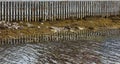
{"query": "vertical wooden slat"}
pixel 49 10
pixel 76 16
pixel 34 11
pixel 5 12
pixel 105 8
pixel 66 6
pixel 30 11
pixel 70 9
pixel 0 11
pixel 100 8
pixel 58 10
pixel 76 12
pixel 119 8
pixel 47 7
pixel 63 12
pixel 67 9
pixel 43 10
pixel 61 4
pixel 11 11
pixel 39 10
pixel 18 10
pixel 27 17
pixel 92 9
pixel 96 8
pixel 53 11
pixel 15 10
pixel 22 10
pixel 82 9
pixel 88 6
pixel 85 8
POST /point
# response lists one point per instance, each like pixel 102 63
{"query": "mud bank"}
pixel 14 29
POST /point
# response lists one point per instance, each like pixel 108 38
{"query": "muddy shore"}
pixel 13 29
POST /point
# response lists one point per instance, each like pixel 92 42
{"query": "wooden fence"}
pixel 55 10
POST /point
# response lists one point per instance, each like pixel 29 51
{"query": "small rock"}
pixel 2 26
pixel 3 21
pixel 79 28
pixel 21 27
pixel 67 27
pixel 21 34
pixel 54 30
pixel 9 27
pixel 47 26
pixel 91 28
pixel 0 22
pixel 29 25
pixel 38 26
pixel 42 23
pixel 71 30
pixel 21 22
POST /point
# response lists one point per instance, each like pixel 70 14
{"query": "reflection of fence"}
pixel 43 10
pixel 62 36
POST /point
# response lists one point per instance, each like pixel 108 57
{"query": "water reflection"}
pixel 66 52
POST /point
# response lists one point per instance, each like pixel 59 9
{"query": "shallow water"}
pixel 66 52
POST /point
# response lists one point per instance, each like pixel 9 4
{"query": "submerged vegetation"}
pixel 12 29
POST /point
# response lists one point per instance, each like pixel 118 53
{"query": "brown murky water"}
pixel 66 52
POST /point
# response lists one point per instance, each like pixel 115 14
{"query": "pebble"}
pixel 80 28
pixel 71 30
pixel 42 23
pixel 29 25
pixel 38 26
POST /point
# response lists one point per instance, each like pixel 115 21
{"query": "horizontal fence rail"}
pixel 62 36
pixel 55 10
